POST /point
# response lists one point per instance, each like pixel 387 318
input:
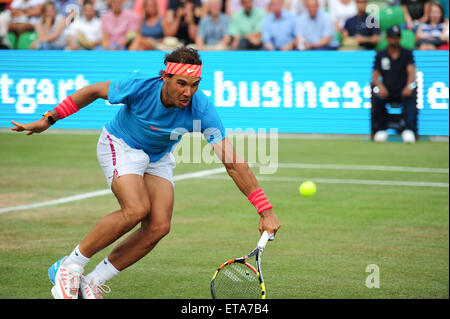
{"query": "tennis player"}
pixel 135 153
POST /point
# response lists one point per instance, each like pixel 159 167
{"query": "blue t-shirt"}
pixel 211 31
pixel 314 30
pixel 278 32
pixel 152 31
pixel 145 123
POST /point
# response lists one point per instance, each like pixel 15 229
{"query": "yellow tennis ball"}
pixel 307 189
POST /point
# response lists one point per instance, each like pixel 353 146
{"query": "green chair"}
pixel 382 44
pixel 339 37
pixel 390 16
pixel 25 40
pixel 407 41
pixel 12 40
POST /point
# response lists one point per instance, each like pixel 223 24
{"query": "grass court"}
pixel 382 204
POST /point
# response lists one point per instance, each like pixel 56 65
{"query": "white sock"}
pixel 103 272
pixel 76 258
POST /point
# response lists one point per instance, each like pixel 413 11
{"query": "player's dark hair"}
pixel 183 55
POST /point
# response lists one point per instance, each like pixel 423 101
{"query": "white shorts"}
pixel 117 158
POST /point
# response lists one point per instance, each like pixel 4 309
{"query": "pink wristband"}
pixel 259 200
pixel 66 107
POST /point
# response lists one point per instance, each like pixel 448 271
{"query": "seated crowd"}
pixel 213 24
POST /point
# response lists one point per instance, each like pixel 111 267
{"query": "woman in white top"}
pixel 340 11
pixel 50 29
pixel 23 14
pixel 432 34
pixel 85 33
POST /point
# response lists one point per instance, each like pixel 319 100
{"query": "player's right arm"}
pixel 238 169
pixel 80 98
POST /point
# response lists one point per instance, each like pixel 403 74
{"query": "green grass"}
pixel 321 251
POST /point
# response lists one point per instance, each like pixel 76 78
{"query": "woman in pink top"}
pixel 117 23
pixel 138 7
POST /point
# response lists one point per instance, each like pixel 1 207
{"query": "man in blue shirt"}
pixel 314 29
pixel 361 31
pixel 278 28
pixel 212 28
pixel 134 151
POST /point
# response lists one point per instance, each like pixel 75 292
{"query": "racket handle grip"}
pixel 264 239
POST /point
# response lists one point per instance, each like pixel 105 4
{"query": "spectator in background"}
pixel 445 37
pixel 340 11
pixel 19 21
pixel 86 32
pixel 118 26
pixel 34 10
pixel 66 7
pixel 297 7
pixel 181 23
pixel 233 6
pixel 314 29
pixel 50 29
pixel 360 31
pixel 393 77
pixel 128 4
pixel 431 34
pixel 278 28
pixel 204 9
pixel 212 29
pixel 415 12
pixel 162 5
pixel 101 7
pixel 245 27
pixel 151 30
pixel 5 17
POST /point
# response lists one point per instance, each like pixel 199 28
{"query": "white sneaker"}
pixel 91 290
pixel 66 280
pixel 408 136
pixel 380 136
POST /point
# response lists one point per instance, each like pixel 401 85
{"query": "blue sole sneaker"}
pixel 52 271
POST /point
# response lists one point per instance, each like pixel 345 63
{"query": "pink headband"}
pixel 193 70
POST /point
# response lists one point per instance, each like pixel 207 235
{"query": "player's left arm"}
pixel 79 98
pixel 246 181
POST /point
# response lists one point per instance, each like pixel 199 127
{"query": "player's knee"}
pixel 133 214
pixel 161 230
pixel 156 231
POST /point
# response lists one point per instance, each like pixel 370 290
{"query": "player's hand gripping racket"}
pixel 238 279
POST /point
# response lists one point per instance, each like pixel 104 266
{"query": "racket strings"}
pixel 237 281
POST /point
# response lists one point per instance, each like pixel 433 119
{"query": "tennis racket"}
pixel 238 279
